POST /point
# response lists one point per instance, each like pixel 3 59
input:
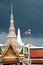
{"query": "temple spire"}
pixel 12 28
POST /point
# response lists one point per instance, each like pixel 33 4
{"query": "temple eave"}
pixel 11 36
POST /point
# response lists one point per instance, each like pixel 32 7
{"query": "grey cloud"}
pixel 27 13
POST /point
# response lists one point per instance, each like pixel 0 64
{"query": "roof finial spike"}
pixel 11 11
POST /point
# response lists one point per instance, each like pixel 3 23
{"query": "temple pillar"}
pixel 18 63
pixel 23 63
pixel 29 62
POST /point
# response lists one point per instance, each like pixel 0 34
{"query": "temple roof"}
pixel 29 45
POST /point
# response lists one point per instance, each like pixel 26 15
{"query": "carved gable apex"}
pixel 10 53
pixel 10 49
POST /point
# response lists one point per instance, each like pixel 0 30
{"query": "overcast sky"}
pixel 27 14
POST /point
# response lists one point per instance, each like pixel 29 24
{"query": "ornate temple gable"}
pixel 11 49
pixel 10 53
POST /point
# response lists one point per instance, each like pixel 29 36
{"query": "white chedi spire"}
pixel 19 38
pixel 11 29
pixel 1 44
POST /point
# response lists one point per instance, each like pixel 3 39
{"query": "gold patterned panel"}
pixel 10 52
